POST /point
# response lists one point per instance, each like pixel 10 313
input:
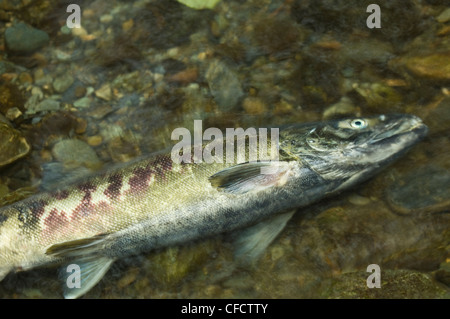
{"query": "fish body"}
pixel 155 202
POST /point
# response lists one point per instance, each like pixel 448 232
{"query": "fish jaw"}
pixel 339 150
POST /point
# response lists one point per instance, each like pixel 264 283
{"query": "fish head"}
pixel 352 148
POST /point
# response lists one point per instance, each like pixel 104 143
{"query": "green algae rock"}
pixel 200 4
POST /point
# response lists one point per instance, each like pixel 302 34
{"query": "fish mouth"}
pixel 407 125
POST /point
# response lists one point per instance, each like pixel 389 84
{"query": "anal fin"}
pixel 253 241
pixel 91 271
pixel 85 266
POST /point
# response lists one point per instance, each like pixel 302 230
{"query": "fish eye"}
pixel 358 123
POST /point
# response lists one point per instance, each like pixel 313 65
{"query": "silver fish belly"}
pixel 155 203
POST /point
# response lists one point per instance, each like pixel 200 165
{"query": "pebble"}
pixel 13 113
pixel 100 111
pixel 79 32
pixel 63 82
pixel 106 18
pixel 95 140
pixel 45 105
pixel 444 16
pixel 75 152
pixel 224 85
pixel 12 145
pixel 65 30
pixel 81 126
pixel 283 107
pixel 25 78
pixel 254 105
pixel 39 74
pixel 37 91
pixel 80 91
pixel 123 148
pixel 200 4
pixel 104 92
pixel 185 76
pixel 44 81
pixel 62 56
pixel 444 30
pixel 127 25
pixel 359 200
pixel 84 102
pixel 22 38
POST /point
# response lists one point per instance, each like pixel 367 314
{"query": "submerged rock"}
pixel 434 66
pixel 75 153
pixel 444 16
pixel 12 145
pixel 349 237
pixel 344 107
pixel 443 274
pixel 46 105
pixel 424 190
pixel 199 4
pixel 378 96
pixel 63 82
pixel 254 105
pixel 171 265
pixel 224 85
pixel 394 284
pixel 22 38
pixel 10 97
pixel 438 120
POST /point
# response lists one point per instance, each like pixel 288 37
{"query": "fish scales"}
pixel 156 202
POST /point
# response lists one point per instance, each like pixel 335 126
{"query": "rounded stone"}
pixel 22 38
pixel 75 152
pixel 12 145
pixel 424 190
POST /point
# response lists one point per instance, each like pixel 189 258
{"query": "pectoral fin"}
pixel 253 241
pixel 85 266
pixel 251 176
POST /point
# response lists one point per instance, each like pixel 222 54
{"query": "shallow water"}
pixel 138 69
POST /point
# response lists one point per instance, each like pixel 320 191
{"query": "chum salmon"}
pixel 154 202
